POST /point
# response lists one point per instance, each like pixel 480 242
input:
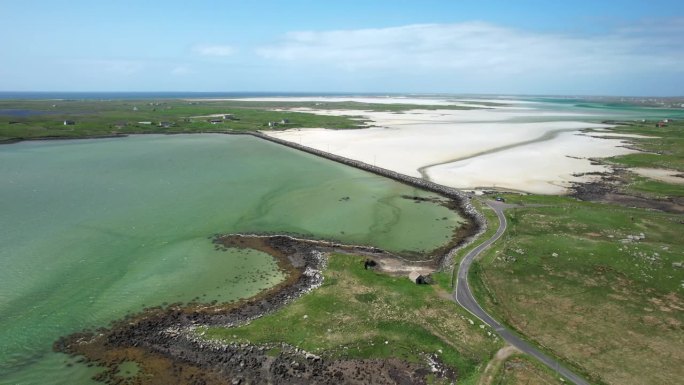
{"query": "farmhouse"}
pixel 69 122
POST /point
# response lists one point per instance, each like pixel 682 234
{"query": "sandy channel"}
pixel 659 174
pixel 518 147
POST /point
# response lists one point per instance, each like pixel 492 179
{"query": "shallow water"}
pixel 94 229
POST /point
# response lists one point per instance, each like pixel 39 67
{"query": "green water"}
pixel 597 111
pixel 94 229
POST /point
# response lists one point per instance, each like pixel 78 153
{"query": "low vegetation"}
pixel 510 367
pixel 598 285
pixel 30 119
pixel 93 118
pixel 663 149
pixel 359 313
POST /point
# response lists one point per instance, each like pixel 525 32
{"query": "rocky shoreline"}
pixel 167 345
pixel 606 188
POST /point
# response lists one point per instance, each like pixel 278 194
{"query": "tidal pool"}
pixel 94 229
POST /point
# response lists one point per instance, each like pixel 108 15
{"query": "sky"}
pixel 608 47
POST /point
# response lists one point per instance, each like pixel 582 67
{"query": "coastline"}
pixel 164 342
pixel 459 200
pixel 203 351
pixel 486 147
pixel 473 149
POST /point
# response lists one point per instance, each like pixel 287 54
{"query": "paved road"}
pixel 465 298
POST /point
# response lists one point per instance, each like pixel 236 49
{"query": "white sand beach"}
pixel 660 174
pixel 518 147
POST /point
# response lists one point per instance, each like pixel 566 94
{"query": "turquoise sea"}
pixel 94 229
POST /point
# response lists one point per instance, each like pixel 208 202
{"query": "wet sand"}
pixel 454 147
pixel 660 174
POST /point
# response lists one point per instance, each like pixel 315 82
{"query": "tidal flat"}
pixel 94 230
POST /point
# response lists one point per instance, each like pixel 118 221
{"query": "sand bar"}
pixel 524 149
pixel 660 174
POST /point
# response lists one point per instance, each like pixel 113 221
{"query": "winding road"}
pixel 464 297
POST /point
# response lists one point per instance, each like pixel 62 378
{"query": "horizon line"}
pixel 352 93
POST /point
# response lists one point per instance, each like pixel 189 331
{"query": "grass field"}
pixel 595 284
pixel 36 119
pixel 664 150
pixel 26 119
pixel 517 369
pixel 359 313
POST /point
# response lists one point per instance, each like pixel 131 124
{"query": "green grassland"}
pixel 597 285
pixel 572 266
pixel 578 279
pixel 360 313
pixel 665 149
pixel 95 118
pixel 102 118
pixel 521 369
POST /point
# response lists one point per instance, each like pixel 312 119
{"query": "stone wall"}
pixel 466 208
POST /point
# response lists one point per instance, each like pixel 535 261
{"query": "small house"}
pixel 215 121
pixel 69 122
pixel 273 124
pixel 285 121
pixel 420 279
pixel 165 124
pixel 228 117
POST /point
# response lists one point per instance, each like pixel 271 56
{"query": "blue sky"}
pixel 421 46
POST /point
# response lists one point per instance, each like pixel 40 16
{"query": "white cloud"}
pixel 214 50
pixel 482 49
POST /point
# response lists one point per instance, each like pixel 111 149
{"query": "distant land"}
pixel 650 101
